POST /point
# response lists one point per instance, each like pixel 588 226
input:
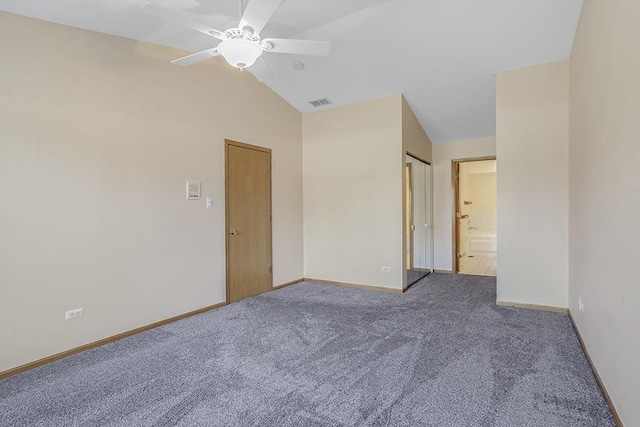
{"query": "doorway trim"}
pixel 227 143
pixel 455 163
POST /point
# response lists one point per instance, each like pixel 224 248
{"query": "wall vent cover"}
pixel 320 102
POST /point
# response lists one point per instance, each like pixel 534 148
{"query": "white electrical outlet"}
pixel 386 269
pixel 580 304
pixel 72 314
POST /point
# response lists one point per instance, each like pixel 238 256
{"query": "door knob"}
pixel 233 232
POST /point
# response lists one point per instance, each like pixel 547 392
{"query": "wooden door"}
pixel 248 220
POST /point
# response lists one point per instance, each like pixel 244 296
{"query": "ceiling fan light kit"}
pixel 241 53
pixel 241 47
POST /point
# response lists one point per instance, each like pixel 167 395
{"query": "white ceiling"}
pixel 441 54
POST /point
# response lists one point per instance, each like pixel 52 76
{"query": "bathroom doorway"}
pixel 418 212
pixel 475 248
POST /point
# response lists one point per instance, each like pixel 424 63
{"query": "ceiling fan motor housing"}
pixel 245 33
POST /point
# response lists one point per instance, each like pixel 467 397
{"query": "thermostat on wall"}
pixel 193 190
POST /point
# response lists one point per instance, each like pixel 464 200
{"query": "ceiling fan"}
pixel 242 46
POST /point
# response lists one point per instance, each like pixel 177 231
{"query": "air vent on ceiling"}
pixel 320 102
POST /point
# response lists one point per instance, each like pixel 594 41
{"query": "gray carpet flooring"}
pixel 443 354
pixel 414 275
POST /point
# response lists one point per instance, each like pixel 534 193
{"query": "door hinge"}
pixel 268 218
pixel 268 168
pixel 270 269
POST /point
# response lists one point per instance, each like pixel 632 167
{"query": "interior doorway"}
pixel 475 216
pixel 418 211
pixel 248 220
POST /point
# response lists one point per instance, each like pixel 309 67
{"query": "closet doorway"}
pixel 248 220
pixel 418 211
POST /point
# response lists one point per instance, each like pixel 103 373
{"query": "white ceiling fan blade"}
pixel 261 70
pixel 302 47
pixel 180 19
pixel 258 13
pixel 196 57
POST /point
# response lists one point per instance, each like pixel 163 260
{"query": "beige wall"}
pixel 443 154
pixel 99 135
pixel 415 140
pixel 533 184
pixel 605 195
pixel 352 193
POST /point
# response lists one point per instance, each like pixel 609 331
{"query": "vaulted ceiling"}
pixel 443 55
